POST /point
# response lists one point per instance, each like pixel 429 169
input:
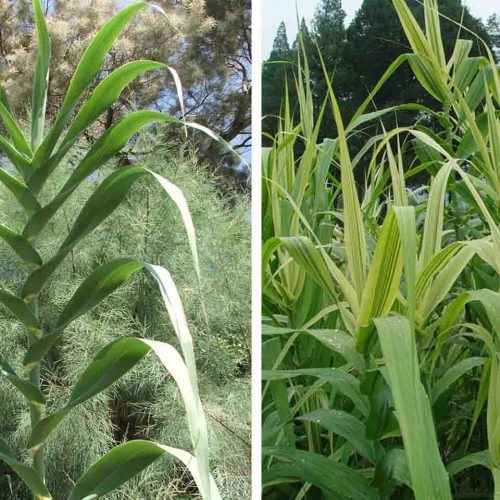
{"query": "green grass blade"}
pixel 17 159
pixel 125 461
pixel 95 288
pixel 334 478
pixel 29 390
pixel 434 217
pixel 104 95
pixel 15 133
pixel 433 30
pixel 21 311
pixel 41 81
pixel 428 475
pixel 342 381
pixel 28 474
pixel 354 231
pixel 101 283
pixel 471 460
pixel 349 427
pixel 183 374
pixel 86 70
pixel 21 246
pixel 112 191
pixel 382 284
pixel 453 374
pixel 116 359
pixel 115 468
pixel 112 141
pixel 21 192
pixel 4 100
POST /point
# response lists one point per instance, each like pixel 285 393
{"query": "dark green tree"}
pixel 374 40
pixel 493 27
pixel 329 33
pixel 276 71
pixel 358 56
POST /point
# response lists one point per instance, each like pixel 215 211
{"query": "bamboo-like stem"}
pixel 36 414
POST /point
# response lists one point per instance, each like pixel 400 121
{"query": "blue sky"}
pixel 275 11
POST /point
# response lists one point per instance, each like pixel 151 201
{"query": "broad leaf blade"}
pixel 29 390
pixel 116 359
pixel 428 475
pixel 21 246
pixel 20 309
pixel 334 478
pixel 40 85
pixel 20 191
pixel 105 199
pixel 95 288
pixel 348 426
pixel 110 143
pixel 125 461
pixel 102 282
pixel 15 132
pixel 85 72
pixel 28 474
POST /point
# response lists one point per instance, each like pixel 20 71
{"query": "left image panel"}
pixel 125 344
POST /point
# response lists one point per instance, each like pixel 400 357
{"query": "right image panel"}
pixel 381 250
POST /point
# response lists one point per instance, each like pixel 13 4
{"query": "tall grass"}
pixel 35 160
pixel 381 322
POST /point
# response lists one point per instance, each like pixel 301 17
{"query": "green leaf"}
pixel 270 353
pixel 341 342
pixel 20 309
pixel 428 475
pixel 342 381
pixel 20 162
pixel 15 132
pixel 434 216
pixel 86 70
pixel 453 374
pixel 29 390
pixel 334 478
pixel 28 474
pixel 115 468
pixel 104 95
pixel 101 283
pixel 41 81
pixel 95 288
pixel 392 470
pixel 182 373
pixel 21 246
pixel 471 460
pixel 317 265
pixel 20 191
pixel 125 461
pixel 4 100
pixel 116 359
pixel 112 141
pixel 102 203
pixel 354 230
pixel 349 427
pixel 382 284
